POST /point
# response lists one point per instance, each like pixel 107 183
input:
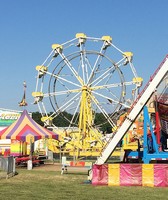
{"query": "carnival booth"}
pixel 23 133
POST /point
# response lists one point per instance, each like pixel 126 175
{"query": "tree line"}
pixel 61 120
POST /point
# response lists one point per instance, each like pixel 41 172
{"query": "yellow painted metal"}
pixel 86 141
pixel 77 148
pixel 85 119
pixel 53 145
pixel 57 48
pixel 128 57
pixel 107 38
pixel 89 117
pixel 114 128
pixel 43 119
pixel 84 111
pixel 80 35
pixel 41 68
pixel 123 93
pixel 37 94
pixel 92 152
pixel 81 38
pixel 137 80
pixel 81 140
pixel 127 54
pixel 47 120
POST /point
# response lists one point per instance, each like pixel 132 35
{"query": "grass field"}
pixel 38 184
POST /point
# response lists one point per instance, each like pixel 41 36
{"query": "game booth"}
pixel 22 134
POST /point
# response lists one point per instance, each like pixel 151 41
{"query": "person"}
pixel 134 134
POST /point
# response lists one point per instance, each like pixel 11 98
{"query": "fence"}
pixel 7 166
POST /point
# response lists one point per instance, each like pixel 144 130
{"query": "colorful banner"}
pixel 131 175
pixel 148 175
pixel 100 174
pixel 160 175
pixel 152 175
pixel 114 174
pixel 8 117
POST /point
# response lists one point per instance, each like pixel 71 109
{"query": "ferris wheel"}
pixel 85 77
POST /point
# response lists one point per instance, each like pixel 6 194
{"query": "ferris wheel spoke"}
pixel 37 83
pixel 66 88
pixel 99 58
pixel 74 115
pixel 67 104
pixel 82 62
pixel 115 85
pixel 122 87
pixel 102 110
pixel 131 66
pixel 48 57
pixel 63 79
pixel 102 77
pixel 116 48
pixel 117 99
pixel 108 98
pixel 111 100
pixel 133 69
pixel 62 92
pixel 88 67
pixel 119 63
pixel 40 109
pixel 68 63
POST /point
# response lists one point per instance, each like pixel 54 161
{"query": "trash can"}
pixel 29 165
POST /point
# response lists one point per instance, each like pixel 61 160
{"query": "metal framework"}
pixel 85 76
pixel 137 107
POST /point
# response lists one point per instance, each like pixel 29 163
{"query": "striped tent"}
pixel 25 129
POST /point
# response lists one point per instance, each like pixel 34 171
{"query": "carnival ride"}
pixel 149 152
pixel 153 150
pixel 79 80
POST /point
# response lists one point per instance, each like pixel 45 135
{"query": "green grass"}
pixel 34 184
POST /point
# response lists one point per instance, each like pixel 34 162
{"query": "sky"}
pixel 29 28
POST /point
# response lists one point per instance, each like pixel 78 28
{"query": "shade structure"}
pixel 27 130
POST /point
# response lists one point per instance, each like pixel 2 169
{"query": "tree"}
pixel 62 120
